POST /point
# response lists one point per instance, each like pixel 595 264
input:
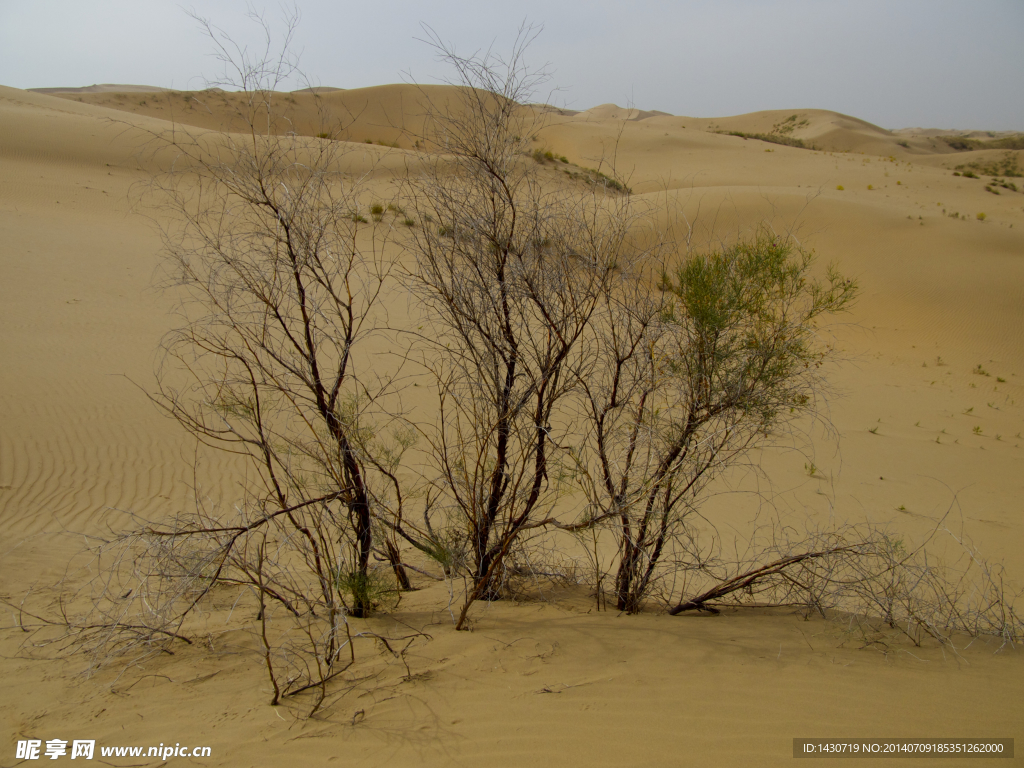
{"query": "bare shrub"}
pixel 880 589
pixel 281 290
pixel 509 283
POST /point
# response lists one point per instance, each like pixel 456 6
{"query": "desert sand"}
pixel 546 681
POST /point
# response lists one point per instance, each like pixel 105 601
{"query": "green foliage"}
pixel 963 144
pixel 734 358
pixel 547 156
pixel 447 547
pixel 367 593
pixel 587 175
pixel 991 187
pixel 1008 165
pixel 981 217
pixel 748 314
pixel 786 127
pixel 772 138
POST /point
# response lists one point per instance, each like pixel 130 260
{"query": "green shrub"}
pixel 1007 166
pixel 772 138
pixel 980 217
pixel 368 592
pixel 964 144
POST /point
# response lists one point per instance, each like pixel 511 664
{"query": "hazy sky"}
pixel 896 63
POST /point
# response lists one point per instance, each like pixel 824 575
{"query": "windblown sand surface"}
pixel 540 682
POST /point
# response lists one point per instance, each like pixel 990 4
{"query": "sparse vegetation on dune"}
pixel 583 376
pixel 772 138
pixel 1009 165
pixel 779 134
pixel 964 144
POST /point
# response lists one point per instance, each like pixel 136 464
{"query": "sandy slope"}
pixel 941 296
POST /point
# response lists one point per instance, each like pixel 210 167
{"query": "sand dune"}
pixel 943 292
pixel 102 88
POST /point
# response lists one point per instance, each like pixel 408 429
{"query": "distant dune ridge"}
pixel 928 408
pixel 378 109
pixel 103 88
